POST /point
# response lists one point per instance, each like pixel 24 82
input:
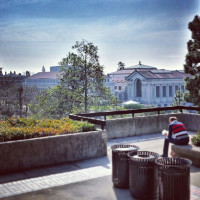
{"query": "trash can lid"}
pixel 144 156
pixel 126 149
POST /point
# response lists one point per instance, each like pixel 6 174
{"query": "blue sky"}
pixel 34 33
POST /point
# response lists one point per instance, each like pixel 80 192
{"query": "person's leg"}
pixel 166 146
pixel 183 141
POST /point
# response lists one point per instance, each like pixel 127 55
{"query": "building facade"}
pixel 12 78
pixel 147 85
pixel 116 82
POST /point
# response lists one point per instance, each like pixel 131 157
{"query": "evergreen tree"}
pixel 192 65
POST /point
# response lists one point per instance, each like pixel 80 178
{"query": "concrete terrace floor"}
pixel 83 180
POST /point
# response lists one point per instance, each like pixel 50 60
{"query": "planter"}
pixel 44 151
pixel 189 151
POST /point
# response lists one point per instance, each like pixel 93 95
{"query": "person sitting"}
pixel 177 134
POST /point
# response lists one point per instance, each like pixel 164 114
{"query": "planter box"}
pixel 188 151
pixel 23 154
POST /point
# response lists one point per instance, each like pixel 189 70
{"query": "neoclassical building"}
pixel 148 85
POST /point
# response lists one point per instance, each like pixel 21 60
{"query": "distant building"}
pixel 146 84
pixel 44 80
pixel 57 68
pixel 8 79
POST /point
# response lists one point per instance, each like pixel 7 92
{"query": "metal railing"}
pixel 90 117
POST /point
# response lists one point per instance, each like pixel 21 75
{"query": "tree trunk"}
pixel 85 89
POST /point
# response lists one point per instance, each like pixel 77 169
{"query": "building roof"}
pixel 119 80
pixel 123 72
pixel 161 74
pixel 45 75
pixel 141 66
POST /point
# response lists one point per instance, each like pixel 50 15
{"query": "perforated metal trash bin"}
pixel 143 175
pixel 120 164
pixel 174 178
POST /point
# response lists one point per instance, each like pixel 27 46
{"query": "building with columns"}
pixel 148 85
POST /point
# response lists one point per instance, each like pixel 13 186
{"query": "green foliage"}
pixel 192 65
pixel 196 139
pixel 133 106
pixel 54 102
pixel 25 128
pixel 178 98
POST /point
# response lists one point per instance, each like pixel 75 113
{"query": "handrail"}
pixel 88 116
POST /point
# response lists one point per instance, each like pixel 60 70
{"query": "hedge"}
pixel 25 128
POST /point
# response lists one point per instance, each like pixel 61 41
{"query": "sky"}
pixel 36 33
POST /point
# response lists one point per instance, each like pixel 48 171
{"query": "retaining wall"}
pixel 125 127
pixel 188 151
pixel 37 152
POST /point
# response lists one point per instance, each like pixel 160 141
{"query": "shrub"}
pixel 25 128
pixel 196 139
pixel 133 106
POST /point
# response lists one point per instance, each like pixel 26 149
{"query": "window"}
pixel 120 87
pixel 170 91
pixel 157 91
pixel 138 88
pixel 164 91
pixel 182 87
pixel 115 87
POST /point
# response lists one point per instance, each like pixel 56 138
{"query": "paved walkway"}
pixel 89 179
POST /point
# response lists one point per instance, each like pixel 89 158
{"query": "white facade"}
pixel 146 84
pixel 157 92
pixel 44 80
pixel 41 83
pixel 117 84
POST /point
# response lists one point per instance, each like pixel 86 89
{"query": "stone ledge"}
pixel 188 151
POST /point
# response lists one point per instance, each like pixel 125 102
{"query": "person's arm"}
pixel 170 131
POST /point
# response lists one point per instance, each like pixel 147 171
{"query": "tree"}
pixel 28 96
pixel 121 65
pixel 192 63
pixel 53 103
pixel 178 98
pixel 83 79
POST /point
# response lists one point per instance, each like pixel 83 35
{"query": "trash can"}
pixel 142 175
pixel 174 178
pixel 120 164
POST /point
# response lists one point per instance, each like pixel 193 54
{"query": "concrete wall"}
pixel 191 121
pixel 37 152
pixel 125 127
pixel 190 152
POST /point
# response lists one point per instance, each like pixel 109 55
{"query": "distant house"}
pixel 146 84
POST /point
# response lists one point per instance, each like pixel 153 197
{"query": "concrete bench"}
pixel 188 151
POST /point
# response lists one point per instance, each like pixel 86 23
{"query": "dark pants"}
pixel 183 141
